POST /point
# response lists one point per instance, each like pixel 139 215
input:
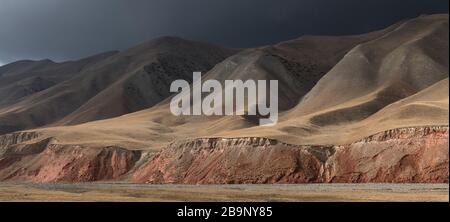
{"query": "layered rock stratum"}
pixel 417 154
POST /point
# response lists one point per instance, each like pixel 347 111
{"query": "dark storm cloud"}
pixel 69 29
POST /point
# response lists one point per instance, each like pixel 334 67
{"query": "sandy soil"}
pixel 260 193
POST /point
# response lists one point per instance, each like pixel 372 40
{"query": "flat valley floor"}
pixel 117 192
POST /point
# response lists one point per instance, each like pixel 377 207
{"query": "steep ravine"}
pixel 419 154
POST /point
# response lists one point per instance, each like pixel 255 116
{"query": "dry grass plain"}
pixel 123 192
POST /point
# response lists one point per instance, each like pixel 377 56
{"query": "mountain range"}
pixel 362 108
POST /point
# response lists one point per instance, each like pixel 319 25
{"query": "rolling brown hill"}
pixel 121 83
pixel 397 65
pixel 24 78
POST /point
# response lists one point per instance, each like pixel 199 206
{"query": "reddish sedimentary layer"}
pixel 399 155
pixel 45 161
pixel 402 155
pixel 417 154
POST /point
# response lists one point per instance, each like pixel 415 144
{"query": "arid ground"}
pixel 301 192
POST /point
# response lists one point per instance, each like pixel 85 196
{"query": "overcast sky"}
pixel 71 29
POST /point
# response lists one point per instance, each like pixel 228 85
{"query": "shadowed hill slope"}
pixel 125 82
pixel 24 78
pixel 397 65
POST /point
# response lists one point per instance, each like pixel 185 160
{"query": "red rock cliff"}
pixel 410 155
pixel 399 155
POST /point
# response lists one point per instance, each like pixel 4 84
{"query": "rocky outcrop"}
pixel 399 155
pixel 229 161
pixel 15 138
pixel 46 161
pixel 418 154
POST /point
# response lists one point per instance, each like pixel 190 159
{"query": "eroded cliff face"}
pixel 399 155
pixel 230 161
pixel 16 138
pixel 417 154
pixel 46 161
